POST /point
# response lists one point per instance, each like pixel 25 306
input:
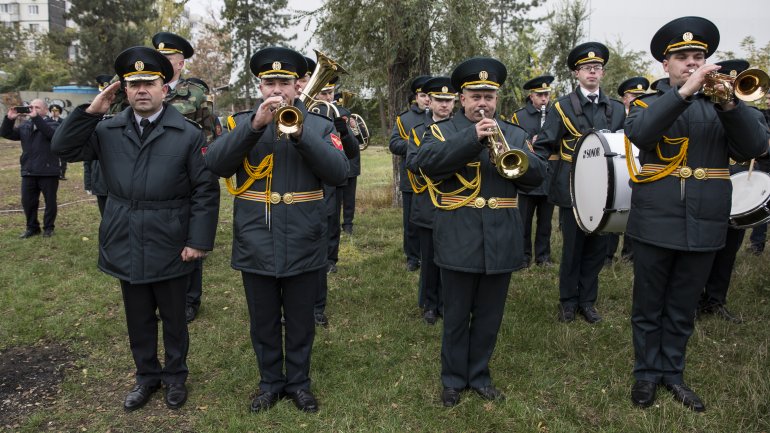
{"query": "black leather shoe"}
pixel 643 393
pixel 687 397
pixel 566 313
pixel 304 400
pixel 450 396
pixel 412 266
pixel 176 395
pixel 29 233
pixel 547 263
pixel 348 230
pixel 190 313
pixel 725 314
pixel 332 268
pixel 139 396
pixel 429 316
pixel 264 400
pixel 321 320
pixel 489 393
pixel 590 314
pixel 47 233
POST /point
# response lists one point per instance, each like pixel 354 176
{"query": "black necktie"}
pixel 592 97
pixel 146 128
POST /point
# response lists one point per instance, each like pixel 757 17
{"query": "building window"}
pixel 4 8
pixel 33 10
pixel 34 27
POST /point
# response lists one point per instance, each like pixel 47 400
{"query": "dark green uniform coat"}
pixel 161 196
pixel 659 216
pixel 295 241
pixel 398 140
pixel 423 210
pixel 485 241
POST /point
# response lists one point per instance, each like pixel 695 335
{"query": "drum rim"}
pixel 610 187
pixel 742 174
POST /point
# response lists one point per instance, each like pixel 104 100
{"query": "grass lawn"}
pixel 376 368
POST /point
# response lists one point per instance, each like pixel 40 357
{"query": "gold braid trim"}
pixel 474 185
pixel 401 131
pixel 680 159
pixel 639 103
pixel 264 169
pixel 230 123
pixel 571 129
pixel 515 119
pixel 417 186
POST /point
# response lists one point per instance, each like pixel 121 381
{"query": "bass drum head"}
pixel 590 181
pixel 749 193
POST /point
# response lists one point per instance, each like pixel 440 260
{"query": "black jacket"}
pixel 284 239
pixel 468 239
pixel 422 211
pixel 93 179
pixel 606 114
pixel 529 118
pixel 659 214
pixel 161 196
pixel 399 137
pixel 35 135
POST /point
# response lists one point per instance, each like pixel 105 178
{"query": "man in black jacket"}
pixel 477 228
pixel 572 116
pixel 681 200
pixel 160 215
pixel 40 168
pixel 279 224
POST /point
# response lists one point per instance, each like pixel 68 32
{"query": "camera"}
pixel 24 109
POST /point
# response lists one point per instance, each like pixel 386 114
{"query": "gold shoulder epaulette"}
pixel 436 131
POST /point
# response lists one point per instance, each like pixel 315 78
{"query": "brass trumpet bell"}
pixel 748 86
pixel 288 119
pixel 510 163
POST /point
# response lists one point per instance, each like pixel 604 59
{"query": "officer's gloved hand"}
pixel 341 125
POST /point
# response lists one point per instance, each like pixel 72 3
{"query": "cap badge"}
pixel 591 54
pixel 639 86
pixel 161 45
pixel 445 89
pixel 483 75
pixel 687 36
pixel 733 73
pixel 276 66
pixel 139 65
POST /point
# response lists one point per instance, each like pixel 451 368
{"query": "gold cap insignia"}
pixel 687 36
pixel 161 45
pixel 445 89
pixel 733 73
pixel 591 54
pixel 276 66
pixel 139 65
pixel 483 75
pixel 639 86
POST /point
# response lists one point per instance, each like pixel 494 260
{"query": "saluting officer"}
pixel 398 142
pixel 572 116
pixel 279 229
pixel 442 96
pixel 188 98
pixel 161 212
pixel 531 117
pixel 681 200
pixel 477 228
pixel 628 90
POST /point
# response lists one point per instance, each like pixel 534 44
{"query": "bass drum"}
pixel 751 195
pixel 600 183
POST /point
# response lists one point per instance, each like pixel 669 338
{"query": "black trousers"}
pixel 529 205
pixel 666 288
pixel 759 236
pixel 715 292
pixel 268 298
pixel 141 301
pixel 333 224
pixel 429 296
pixel 31 187
pixel 411 235
pixel 473 311
pixel 613 239
pixel 323 292
pixel 195 288
pixel 349 202
pixel 582 259
pixel 101 201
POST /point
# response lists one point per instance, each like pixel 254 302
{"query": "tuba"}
pixel 288 118
pixel 510 163
pixel 750 85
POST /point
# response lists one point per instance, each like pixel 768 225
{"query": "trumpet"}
pixel 510 163
pixel 748 86
pixel 288 119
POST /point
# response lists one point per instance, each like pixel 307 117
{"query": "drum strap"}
pixel 577 107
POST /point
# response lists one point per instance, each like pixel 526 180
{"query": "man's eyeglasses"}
pixel 591 68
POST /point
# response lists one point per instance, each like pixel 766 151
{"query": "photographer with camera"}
pixel 40 168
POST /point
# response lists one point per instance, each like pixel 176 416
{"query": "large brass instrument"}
pixel 510 163
pixel 288 118
pixel 358 125
pixel 750 85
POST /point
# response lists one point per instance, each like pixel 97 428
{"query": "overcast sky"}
pixel 634 22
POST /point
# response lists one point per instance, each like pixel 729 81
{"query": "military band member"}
pixel 681 200
pixel 628 90
pixel 189 99
pixel 398 144
pixel 442 101
pixel 713 299
pixel 572 116
pixel 160 215
pixel 477 228
pixel 349 189
pixel 279 229
pixel 531 117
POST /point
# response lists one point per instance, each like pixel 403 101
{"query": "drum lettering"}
pixel 591 153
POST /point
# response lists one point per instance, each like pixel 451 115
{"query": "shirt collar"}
pixel 586 93
pixel 152 118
